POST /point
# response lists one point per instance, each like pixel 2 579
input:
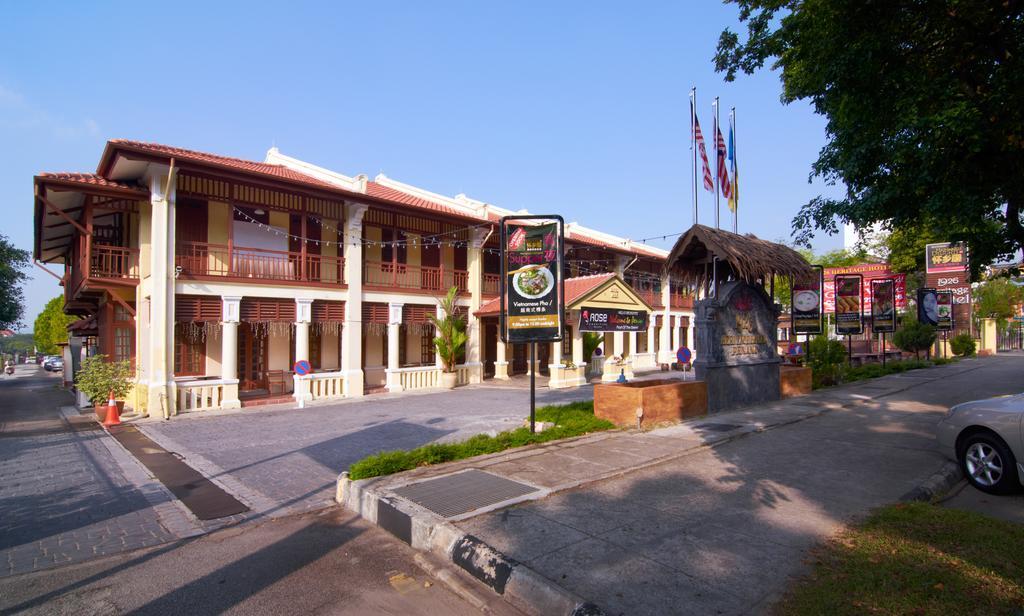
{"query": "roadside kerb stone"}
pixel 534 593
pixel 937 485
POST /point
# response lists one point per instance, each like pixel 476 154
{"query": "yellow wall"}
pixel 279 219
pixel 329 351
pixel 412 252
pixel 219 218
pixel 279 351
pixel 371 252
pixel 214 346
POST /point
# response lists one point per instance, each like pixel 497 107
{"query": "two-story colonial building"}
pixel 214 274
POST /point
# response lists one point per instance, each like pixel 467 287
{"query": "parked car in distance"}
pixel 57 365
pixel 48 362
pixel 986 437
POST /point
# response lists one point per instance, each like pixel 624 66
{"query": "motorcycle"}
pixel 9 369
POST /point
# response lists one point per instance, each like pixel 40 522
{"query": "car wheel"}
pixel 989 464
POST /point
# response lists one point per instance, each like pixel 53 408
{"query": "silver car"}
pixel 987 438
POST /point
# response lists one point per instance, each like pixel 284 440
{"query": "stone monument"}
pixel 736 337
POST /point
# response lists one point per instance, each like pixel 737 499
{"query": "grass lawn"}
pixel 916 558
pixel 572 419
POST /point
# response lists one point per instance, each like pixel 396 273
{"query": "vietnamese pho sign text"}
pixel 532 285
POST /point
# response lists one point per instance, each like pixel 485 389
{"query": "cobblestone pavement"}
pixel 287 460
pixel 63 494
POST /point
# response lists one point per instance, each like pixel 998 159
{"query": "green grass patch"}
pixel 916 558
pixel 574 419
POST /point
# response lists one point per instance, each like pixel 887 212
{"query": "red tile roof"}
pixel 278 171
pixel 575 288
pixel 89 179
pixel 380 191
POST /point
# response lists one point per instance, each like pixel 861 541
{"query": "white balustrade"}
pixel 325 385
pixel 463 373
pixel 420 377
pixel 202 395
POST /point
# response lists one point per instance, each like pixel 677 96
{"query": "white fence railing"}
pixel 644 361
pixel 201 395
pixel 419 377
pixel 463 374
pixel 595 367
pixel 325 385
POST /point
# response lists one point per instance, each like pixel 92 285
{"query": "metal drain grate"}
pixel 717 427
pixel 463 492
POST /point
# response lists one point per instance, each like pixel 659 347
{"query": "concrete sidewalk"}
pixel 713 515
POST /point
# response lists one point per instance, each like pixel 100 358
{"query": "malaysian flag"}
pixel 723 171
pixel 709 183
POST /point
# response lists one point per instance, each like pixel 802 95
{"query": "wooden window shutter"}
pixel 328 312
pixel 198 308
pixel 265 309
pixel 375 313
pixel 412 313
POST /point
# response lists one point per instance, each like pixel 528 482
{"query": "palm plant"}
pixel 451 332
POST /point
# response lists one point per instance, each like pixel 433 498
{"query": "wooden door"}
pixel 252 359
pixel 490 346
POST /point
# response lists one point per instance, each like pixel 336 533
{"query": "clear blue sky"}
pixel 577 108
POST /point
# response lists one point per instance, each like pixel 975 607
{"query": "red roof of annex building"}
pixel 373 191
pixel 575 288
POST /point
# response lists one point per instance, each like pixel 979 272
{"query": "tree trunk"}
pixel 1014 228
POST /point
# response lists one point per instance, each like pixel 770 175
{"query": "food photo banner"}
pixel 806 300
pixel 612 320
pixel 849 304
pixel 532 287
pixel 870 271
pixel 944 310
pixel 883 308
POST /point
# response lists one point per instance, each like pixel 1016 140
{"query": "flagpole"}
pixel 693 145
pixel 714 139
pixel 735 186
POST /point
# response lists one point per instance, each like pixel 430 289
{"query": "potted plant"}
pixel 98 379
pixel 450 339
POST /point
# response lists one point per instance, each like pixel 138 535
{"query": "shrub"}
pixel 914 337
pixel 827 360
pixel 450 341
pixel 98 377
pixel 962 345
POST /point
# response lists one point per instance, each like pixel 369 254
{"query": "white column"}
pixel 500 363
pixel 665 350
pixel 652 345
pixel 303 315
pixel 611 370
pixel 394 325
pixel 352 333
pixel 161 397
pixel 577 347
pixel 437 357
pixel 474 329
pixel 679 332
pixel 229 352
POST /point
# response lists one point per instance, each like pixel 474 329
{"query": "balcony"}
pixel 201 259
pixel 113 262
pixel 492 283
pixel 388 275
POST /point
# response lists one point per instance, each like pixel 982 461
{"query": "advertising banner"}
pixel 870 271
pixel 532 285
pixel 805 303
pixel 612 320
pixel 849 304
pixel 927 306
pixel 946 257
pixel 883 308
pixel 944 310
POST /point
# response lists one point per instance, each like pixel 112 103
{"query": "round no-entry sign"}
pixel 302 367
pixel 683 355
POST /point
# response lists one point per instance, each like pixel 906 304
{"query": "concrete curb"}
pixel 938 484
pixel 522 587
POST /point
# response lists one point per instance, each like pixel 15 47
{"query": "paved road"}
pixel 317 563
pixel 286 461
pixel 63 498
pixel 723 530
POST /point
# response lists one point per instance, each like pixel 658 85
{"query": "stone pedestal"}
pixel 737 338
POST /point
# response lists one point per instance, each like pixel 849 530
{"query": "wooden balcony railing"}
pixel 203 259
pixel 113 262
pixel 492 283
pixel 679 300
pixel 403 276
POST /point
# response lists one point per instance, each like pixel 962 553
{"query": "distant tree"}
pixel 924 103
pixel 997 299
pixel 914 337
pixel 13 263
pixel 832 258
pixel 51 326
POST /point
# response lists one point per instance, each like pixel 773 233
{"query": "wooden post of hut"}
pixel 735 331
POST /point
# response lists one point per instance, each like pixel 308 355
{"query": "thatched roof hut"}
pixel 743 257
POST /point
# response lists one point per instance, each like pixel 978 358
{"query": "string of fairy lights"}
pixel 435 239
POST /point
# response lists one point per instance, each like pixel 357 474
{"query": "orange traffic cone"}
pixel 113 417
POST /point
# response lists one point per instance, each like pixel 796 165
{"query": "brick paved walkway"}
pixel 63 495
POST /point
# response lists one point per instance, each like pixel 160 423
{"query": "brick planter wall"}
pixel 662 401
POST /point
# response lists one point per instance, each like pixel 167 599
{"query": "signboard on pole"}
pixel 928 306
pixel 945 257
pixel 883 308
pixel 870 271
pixel 849 304
pixel 944 310
pixel 532 285
pixel 805 303
pixel 612 320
